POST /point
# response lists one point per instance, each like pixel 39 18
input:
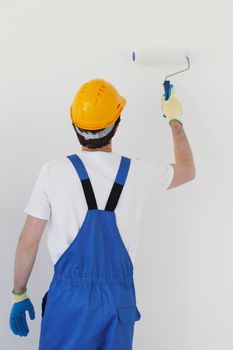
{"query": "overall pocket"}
pixel 127 314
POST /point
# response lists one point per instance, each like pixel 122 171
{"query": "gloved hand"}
pixel 20 304
pixel 172 108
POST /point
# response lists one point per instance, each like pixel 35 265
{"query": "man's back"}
pixel 58 196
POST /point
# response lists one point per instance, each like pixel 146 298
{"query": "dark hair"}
pixel 96 143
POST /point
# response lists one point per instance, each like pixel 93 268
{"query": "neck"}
pixel 107 148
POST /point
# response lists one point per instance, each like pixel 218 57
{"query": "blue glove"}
pixel 20 304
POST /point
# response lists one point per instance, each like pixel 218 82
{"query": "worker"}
pixel 92 201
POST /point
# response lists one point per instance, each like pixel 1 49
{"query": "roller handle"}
pixel 167 90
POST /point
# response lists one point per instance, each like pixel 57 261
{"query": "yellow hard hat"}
pixel 96 105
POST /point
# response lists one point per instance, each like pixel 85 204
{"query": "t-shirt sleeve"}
pixel 155 176
pixel 38 204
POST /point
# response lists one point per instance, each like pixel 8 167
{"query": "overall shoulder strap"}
pixel 86 183
pixel 118 184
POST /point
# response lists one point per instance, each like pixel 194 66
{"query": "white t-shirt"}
pixel 58 196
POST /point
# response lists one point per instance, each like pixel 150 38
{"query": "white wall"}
pixel 48 49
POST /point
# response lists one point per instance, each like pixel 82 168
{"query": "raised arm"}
pixel 184 167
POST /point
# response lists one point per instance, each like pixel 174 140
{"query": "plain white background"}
pixel 184 275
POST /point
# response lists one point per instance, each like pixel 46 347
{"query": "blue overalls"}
pixel 91 300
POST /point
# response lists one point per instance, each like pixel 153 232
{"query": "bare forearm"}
pixel 26 251
pixel 24 261
pixel 182 149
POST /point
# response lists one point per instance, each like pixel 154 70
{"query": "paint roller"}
pixel 163 57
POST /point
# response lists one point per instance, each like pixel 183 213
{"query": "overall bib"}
pixel 91 300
